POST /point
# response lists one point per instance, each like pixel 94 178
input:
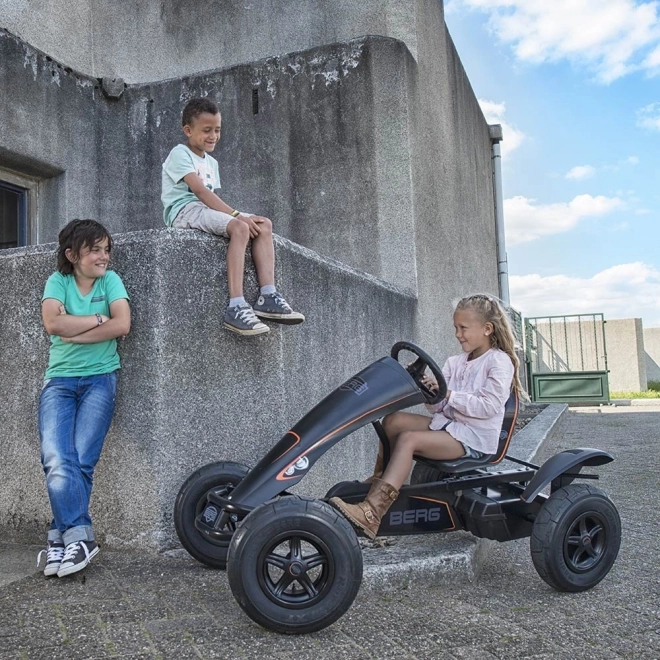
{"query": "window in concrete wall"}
pixel 13 216
pixel 18 206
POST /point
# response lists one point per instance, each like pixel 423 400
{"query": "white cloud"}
pixel 525 221
pixel 611 38
pixel 580 172
pixel 649 117
pixel 623 291
pixel 652 62
pixel 494 114
pixel 631 160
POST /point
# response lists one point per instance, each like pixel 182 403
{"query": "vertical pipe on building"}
pixel 495 131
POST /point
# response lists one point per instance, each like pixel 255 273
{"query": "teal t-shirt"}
pixel 175 193
pixel 83 359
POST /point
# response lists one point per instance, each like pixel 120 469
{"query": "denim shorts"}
pixel 471 453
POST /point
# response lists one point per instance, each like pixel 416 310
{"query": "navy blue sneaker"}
pixel 54 553
pixel 273 307
pixel 241 319
pixel 76 556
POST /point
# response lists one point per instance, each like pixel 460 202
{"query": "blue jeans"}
pixel 74 417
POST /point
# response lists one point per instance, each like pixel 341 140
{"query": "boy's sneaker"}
pixel 76 556
pixel 241 319
pixel 273 306
pixel 54 553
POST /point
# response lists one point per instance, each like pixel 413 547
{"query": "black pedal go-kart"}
pixel 295 564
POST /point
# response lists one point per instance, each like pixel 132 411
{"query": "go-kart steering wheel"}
pixel 417 369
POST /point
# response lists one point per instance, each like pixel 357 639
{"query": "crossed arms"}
pixel 86 329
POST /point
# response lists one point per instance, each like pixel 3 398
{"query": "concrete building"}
pixel 370 154
pixel 652 354
pixel 626 359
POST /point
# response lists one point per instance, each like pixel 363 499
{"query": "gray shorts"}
pixel 197 215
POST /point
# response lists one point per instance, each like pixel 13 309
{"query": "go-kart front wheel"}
pixel 190 502
pixel 575 538
pixel 295 565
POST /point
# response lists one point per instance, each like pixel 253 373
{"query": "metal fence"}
pixel 566 358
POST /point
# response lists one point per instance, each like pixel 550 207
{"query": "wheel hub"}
pixel 585 542
pixel 296 568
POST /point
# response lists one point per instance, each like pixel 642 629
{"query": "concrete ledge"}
pixel 635 402
pixel 402 562
pixel 190 392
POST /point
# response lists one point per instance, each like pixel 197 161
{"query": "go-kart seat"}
pixel 466 464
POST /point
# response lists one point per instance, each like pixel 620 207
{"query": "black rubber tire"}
pixel 262 581
pixel 575 538
pixel 191 501
pixel 425 474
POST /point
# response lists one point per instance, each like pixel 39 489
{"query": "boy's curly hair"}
pixel 195 107
pixel 77 235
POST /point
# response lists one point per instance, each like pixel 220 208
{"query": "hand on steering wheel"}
pixel 417 370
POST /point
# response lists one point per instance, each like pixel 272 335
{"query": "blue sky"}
pixel 576 86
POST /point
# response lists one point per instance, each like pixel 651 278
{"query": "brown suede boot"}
pixel 367 515
pixel 378 468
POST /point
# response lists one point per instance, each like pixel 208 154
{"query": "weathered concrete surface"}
pixel 452 183
pixel 337 154
pixel 652 353
pixel 190 392
pixel 48 133
pixel 132 606
pixel 626 359
pixel 356 152
pixel 58 27
pixel 105 38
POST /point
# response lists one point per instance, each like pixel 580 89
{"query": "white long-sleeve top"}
pixel 479 391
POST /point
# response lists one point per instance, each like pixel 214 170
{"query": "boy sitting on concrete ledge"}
pixel 190 176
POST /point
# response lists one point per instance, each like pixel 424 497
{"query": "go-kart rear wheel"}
pixel 575 538
pixel 425 474
pixel 295 565
pixel 190 502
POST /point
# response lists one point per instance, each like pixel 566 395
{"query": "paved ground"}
pixel 128 606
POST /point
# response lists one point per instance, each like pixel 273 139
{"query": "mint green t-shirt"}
pixel 175 193
pixel 83 359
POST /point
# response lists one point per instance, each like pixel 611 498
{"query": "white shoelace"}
pixel 52 555
pixel 71 551
pixel 280 302
pixel 246 314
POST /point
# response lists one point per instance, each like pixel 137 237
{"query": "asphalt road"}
pixel 133 606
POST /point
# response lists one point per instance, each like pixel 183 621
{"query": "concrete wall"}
pixel 330 166
pixel 190 393
pixel 61 28
pixel 373 152
pixel 356 151
pixel 112 38
pixel 652 353
pixel 48 132
pixel 452 182
pixel 625 355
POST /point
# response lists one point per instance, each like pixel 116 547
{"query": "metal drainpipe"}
pixel 495 131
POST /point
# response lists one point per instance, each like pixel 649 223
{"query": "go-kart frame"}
pixel 295 564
